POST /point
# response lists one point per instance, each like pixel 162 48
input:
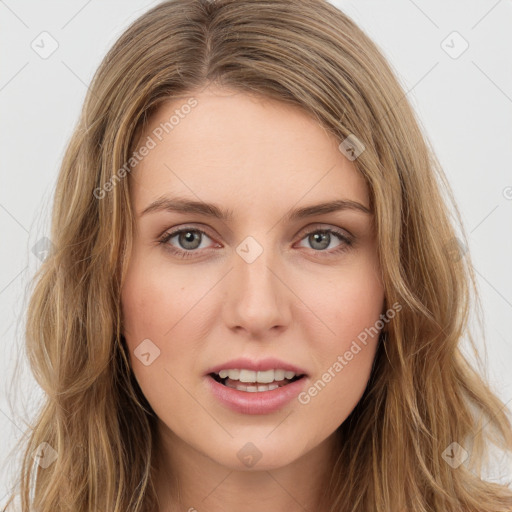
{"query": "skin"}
pixel 259 158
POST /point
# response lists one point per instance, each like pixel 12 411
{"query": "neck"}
pixel 188 480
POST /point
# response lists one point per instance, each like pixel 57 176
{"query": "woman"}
pixel 256 299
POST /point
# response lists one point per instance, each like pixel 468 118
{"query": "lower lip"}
pixel 259 402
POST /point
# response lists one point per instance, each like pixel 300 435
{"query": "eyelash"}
pixel 182 253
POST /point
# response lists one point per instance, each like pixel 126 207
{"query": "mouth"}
pixel 255 387
pixel 252 382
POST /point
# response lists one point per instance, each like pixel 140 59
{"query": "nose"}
pixel 258 299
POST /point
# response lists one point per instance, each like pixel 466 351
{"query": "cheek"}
pixel 145 306
pixel 169 308
pixel 155 301
pixel 155 305
pixel 345 337
pixel 343 304
pixel 360 302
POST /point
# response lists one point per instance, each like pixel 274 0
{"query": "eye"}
pixel 320 240
pixel 188 240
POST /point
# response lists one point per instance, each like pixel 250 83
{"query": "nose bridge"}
pixel 253 270
pixel 256 296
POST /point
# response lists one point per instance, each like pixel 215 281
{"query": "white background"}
pixel 464 103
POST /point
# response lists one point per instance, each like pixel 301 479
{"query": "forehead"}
pixel 226 146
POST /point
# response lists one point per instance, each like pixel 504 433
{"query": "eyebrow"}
pixel 181 205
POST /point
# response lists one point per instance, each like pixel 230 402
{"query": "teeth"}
pixel 247 376
pixel 265 377
pixel 279 374
pixel 261 377
pixel 252 389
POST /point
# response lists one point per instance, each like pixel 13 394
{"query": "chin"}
pixel 260 454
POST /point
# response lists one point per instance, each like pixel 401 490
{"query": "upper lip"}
pixel 256 365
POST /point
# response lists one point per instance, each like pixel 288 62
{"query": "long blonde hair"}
pixel 423 394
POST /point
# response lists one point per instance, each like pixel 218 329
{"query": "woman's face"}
pixel 265 287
